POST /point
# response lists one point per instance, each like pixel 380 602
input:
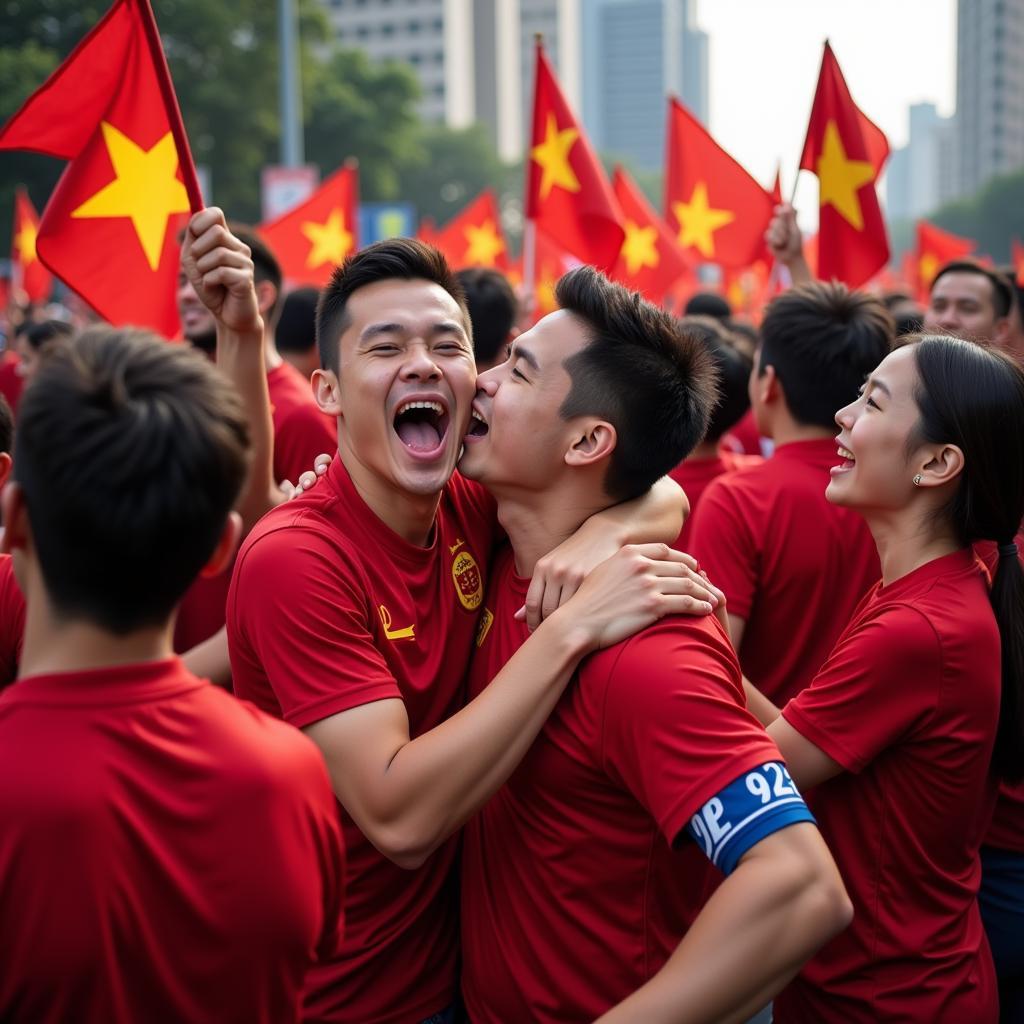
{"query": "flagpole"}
pixel 530 229
pixel 163 77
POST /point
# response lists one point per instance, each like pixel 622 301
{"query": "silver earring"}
pixel 917 479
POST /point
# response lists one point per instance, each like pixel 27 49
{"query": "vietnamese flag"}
pixel 474 237
pixel 718 212
pixel 567 193
pixel 29 272
pixel 935 248
pixel 110 229
pixel 1017 256
pixel 649 262
pixel 313 238
pixel 846 151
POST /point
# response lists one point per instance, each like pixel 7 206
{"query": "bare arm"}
pixel 787 244
pixel 784 901
pixel 209 659
pixel 759 705
pixel 808 764
pixel 408 795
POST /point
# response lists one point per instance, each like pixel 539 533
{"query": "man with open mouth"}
pixel 353 611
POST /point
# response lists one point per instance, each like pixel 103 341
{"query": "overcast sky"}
pixel 765 56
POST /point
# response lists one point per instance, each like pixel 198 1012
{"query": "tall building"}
pixel 989 91
pixel 635 53
pixel 917 177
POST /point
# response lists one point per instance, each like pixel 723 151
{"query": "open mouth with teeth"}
pixel 477 425
pixel 849 459
pixel 421 425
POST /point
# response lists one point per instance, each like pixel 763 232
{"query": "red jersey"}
pixel 167 853
pixel 744 438
pixel 329 609
pixel 908 705
pixel 693 475
pixel 301 430
pixel 11 381
pixel 12 622
pixel 202 610
pixel 575 890
pixel 791 564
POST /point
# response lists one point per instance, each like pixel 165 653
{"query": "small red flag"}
pixel 567 193
pixel 109 229
pixel 311 239
pixel 29 272
pixel 427 231
pixel 650 262
pixel 846 151
pixel 1017 255
pixel 474 237
pixel 718 212
pixel 935 248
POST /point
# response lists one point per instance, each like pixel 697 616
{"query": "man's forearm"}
pixel 655 517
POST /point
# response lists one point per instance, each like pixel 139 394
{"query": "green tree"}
pixel 993 217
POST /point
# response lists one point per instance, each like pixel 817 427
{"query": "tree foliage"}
pixel 993 217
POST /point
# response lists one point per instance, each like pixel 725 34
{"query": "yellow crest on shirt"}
pixel 469 583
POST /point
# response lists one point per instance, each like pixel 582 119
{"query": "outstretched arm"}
pixel 787 244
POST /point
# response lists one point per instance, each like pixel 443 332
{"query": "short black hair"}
pixel 1002 293
pixel 264 264
pixel 734 367
pixel 492 309
pixel 643 372
pixel 296 329
pixel 402 259
pixel 823 340
pixel 38 335
pixel 708 304
pixel 130 453
pixel 6 427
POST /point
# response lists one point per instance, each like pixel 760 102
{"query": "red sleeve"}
pixel 301 611
pixel 12 623
pixel 675 729
pixel 881 681
pixel 723 541
pixel 299 439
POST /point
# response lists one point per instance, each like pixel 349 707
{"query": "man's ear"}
pixel 327 391
pixel 226 546
pixel 595 441
pixel 768 385
pixel 14 515
pixel 1001 330
pixel 266 296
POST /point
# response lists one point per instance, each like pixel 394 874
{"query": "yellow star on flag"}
pixel 840 178
pixel 928 267
pixel 639 247
pixel 145 189
pixel 25 243
pixel 484 244
pixel 698 221
pixel 331 242
pixel 553 156
pixel 546 302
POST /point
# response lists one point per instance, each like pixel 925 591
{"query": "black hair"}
pixel 403 259
pixel 264 265
pixel 973 397
pixel 643 372
pixel 38 335
pixel 823 340
pixel 296 328
pixel 130 453
pixel 492 309
pixel 734 367
pixel 708 304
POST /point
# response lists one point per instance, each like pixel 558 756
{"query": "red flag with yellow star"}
pixel 109 230
pixel 649 262
pixel 567 192
pixel 846 151
pixel 474 237
pixel 28 271
pixel 934 249
pixel 311 239
pixel 717 211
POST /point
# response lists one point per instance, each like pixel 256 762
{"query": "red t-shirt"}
pixel 572 894
pixel 11 381
pixel 329 609
pixel 12 622
pixel 791 564
pixel 694 475
pixel 301 430
pixel 202 610
pixel 166 852
pixel 908 705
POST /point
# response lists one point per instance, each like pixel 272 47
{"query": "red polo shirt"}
pixel 12 622
pixel 694 475
pixel 301 430
pixel 791 564
pixel 908 705
pixel 329 609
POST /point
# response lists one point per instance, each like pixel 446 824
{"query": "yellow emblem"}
pixel 404 633
pixel 484 626
pixel 469 584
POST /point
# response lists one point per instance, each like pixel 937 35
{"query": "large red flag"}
pixel 718 212
pixel 311 239
pixel 29 272
pixel 567 192
pixel 846 151
pixel 935 248
pixel 109 229
pixel 650 261
pixel 474 237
